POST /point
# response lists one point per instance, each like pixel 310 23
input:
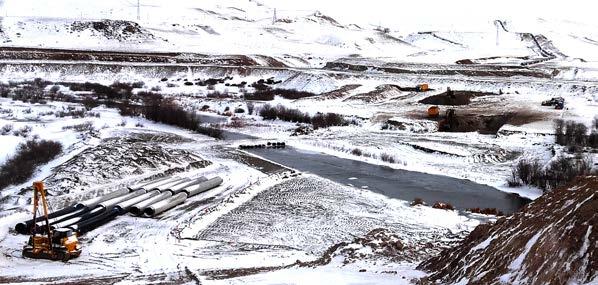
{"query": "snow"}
pixel 330 274
pixel 241 27
pixel 306 41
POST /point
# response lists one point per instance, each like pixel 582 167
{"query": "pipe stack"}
pixel 150 198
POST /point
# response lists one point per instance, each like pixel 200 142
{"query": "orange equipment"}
pixel 62 244
pixel 422 87
pixel 433 112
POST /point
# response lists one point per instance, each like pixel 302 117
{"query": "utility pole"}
pixel 138 11
pixel 496 23
pixel 274 17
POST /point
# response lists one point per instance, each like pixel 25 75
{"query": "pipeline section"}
pixel 142 199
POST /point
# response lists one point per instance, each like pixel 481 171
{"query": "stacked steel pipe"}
pixel 150 198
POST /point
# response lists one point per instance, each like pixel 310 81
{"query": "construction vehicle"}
pixel 433 112
pixel 557 102
pixel 448 122
pixel 60 244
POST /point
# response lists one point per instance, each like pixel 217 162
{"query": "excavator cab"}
pixel 60 244
pixel 448 122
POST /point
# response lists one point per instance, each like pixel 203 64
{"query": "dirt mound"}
pixel 551 241
pixel 118 158
pixel 455 98
pixel 381 93
pixel 338 93
pixel 114 29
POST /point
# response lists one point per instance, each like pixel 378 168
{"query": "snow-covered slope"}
pixel 250 27
pixel 551 241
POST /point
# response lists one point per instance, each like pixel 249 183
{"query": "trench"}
pixel 396 183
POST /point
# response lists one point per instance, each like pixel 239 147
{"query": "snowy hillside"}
pixel 548 242
pixel 250 27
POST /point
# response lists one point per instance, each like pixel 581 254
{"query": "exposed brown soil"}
pixel 338 93
pixel 473 121
pixel 551 241
pixel 458 97
pixel 381 93
pixel 20 53
pixel 488 71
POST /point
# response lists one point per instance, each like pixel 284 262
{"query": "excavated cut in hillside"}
pixel 553 240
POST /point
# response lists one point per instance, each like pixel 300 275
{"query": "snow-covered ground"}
pixel 263 219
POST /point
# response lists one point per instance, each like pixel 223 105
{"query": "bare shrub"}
pixel 23 132
pixel 89 102
pixel 71 111
pixel 139 125
pixel 574 135
pixel 558 172
pixel 327 120
pixel 250 108
pixel 283 113
pixel 357 152
pixel 83 127
pixel 219 95
pixel 268 94
pixel 6 129
pixel 29 155
pixel 387 158
pixel 236 123
pixel 167 111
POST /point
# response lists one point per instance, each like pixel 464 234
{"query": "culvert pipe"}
pixel 203 186
pixel 165 205
pixel 96 221
pixel 108 204
pixel 138 208
pixel 94 212
pixel 154 186
pixel 176 189
pixel 41 225
pixel 125 205
pixel 141 185
pixel 91 203
pixel 167 186
pixel 24 227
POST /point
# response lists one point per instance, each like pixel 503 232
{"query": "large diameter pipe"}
pixel 125 205
pixel 203 186
pixel 153 186
pixel 24 227
pixel 94 212
pixel 167 186
pixel 41 224
pixel 92 223
pixel 180 187
pixel 108 204
pixel 164 205
pixel 91 203
pixel 138 208
pixel 141 185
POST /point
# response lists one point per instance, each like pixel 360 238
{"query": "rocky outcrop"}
pixel 553 240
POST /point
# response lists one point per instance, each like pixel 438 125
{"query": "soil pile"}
pixel 381 93
pixel 553 240
pixel 114 29
pixel 454 98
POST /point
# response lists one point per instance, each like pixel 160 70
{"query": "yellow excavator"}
pixel 60 244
